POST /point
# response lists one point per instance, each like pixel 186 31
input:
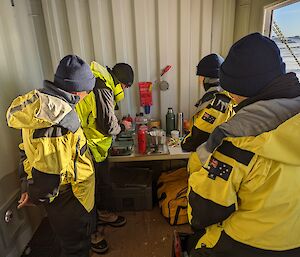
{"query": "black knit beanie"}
pixel 209 66
pixel 124 73
pixel 74 75
pixel 252 63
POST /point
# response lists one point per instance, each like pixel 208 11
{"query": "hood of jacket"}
pixel 44 108
pixel 267 124
pixel 204 101
pixel 267 128
pixel 280 144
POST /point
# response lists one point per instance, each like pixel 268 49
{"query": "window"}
pixel 282 24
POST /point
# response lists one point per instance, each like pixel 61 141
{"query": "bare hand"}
pixel 24 201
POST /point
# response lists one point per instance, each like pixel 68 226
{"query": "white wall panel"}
pixel 148 34
pixel 80 29
pixel 184 61
pixel 250 16
pixel 206 27
pixel 168 24
pixel 120 33
pixel 243 18
pixel 153 53
pixel 228 25
pixel 57 29
pixel 20 71
pixel 194 53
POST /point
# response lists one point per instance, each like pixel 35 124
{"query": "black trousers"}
pixel 71 223
pixel 227 247
pixel 103 185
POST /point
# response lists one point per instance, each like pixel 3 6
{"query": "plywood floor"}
pixel 146 234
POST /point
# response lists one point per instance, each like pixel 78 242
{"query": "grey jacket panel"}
pixel 107 122
pixel 71 120
pixel 255 119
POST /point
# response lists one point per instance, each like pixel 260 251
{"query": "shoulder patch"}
pixel 220 103
pixel 217 168
pixel 54 131
pixel 236 153
pixel 206 98
pixel 208 118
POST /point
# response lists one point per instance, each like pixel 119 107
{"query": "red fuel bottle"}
pixel 142 139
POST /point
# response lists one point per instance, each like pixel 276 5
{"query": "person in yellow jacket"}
pixel 56 167
pixel 214 108
pixel 245 199
pixel 99 122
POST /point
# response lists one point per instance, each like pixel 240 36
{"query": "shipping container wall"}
pixel 148 34
pixel 20 72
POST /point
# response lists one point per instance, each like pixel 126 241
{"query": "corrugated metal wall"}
pixel 250 16
pixel 148 34
pixel 20 72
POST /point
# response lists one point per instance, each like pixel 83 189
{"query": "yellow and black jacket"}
pixel 54 152
pixel 96 112
pixel 247 192
pixel 215 108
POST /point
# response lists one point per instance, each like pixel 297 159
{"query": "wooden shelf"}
pixel 175 153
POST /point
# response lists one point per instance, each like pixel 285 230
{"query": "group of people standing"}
pixel 243 198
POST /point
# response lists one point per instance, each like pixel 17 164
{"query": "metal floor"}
pixel 146 234
pixel 43 243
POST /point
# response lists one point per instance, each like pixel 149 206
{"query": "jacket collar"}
pixel 209 94
pixel 285 86
pixel 71 120
pixel 49 88
pixel 255 119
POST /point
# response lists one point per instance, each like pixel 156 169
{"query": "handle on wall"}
pixel 8 216
pixel 165 70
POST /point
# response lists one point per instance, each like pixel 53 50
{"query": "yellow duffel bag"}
pixel 172 196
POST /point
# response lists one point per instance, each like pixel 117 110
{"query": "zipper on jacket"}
pixel 76 157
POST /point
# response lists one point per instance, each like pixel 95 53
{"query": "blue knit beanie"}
pixel 74 75
pixel 209 66
pixel 252 63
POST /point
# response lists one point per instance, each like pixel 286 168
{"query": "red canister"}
pixel 142 139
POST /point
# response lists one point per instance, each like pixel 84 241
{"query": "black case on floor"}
pixel 130 190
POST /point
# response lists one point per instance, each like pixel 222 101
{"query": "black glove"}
pixel 122 128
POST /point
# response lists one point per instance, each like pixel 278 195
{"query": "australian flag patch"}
pixel 217 168
pixel 208 118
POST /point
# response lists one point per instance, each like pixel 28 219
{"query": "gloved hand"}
pixel 127 124
pixel 123 128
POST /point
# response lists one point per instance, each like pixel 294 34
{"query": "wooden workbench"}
pixel 175 153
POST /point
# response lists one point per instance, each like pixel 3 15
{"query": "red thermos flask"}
pixel 142 139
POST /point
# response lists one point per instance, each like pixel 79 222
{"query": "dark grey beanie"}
pixel 124 73
pixel 251 64
pixel 209 66
pixel 74 75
